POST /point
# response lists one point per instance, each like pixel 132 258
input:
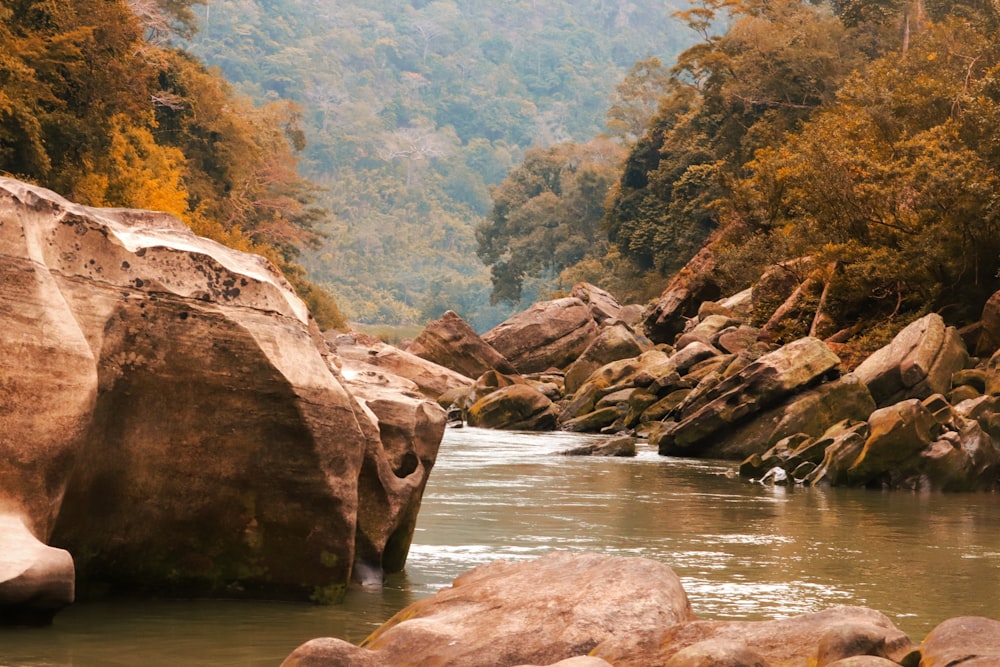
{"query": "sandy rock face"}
pixel 181 421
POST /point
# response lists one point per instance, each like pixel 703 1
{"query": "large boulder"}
pixel 810 639
pixel 810 412
pixel 613 343
pixel 537 612
pixel 740 398
pixel 549 334
pixel 36 580
pixel 449 341
pixel 603 306
pixel 919 362
pixel 679 302
pixel 970 641
pixel 178 422
pixel 433 379
pixel 518 407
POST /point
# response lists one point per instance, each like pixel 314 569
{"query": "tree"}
pixel 546 215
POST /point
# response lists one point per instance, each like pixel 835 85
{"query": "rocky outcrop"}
pixel 736 400
pixel 177 421
pixel 549 334
pixel 449 341
pixel 540 612
pixel 432 379
pixel 919 362
pixel 569 609
pixel 36 580
pixel 693 285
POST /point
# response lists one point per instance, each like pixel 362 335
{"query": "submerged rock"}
pixel 178 422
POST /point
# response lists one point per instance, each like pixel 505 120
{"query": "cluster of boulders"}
pixel 920 413
pixel 590 610
pixel 174 422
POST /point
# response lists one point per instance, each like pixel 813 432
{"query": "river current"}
pixel 742 551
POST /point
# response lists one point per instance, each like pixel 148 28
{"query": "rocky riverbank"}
pixel 589 610
pixel 921 413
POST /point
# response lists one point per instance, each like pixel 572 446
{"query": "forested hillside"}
pixel 95 104
pixel 413 110
pixel 861 135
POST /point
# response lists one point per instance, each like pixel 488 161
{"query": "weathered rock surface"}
pixel 449 341
pixel 177 420
pixel 792 642
pixel 613 343
pixel 549 334
pixel 432 379
pixel 36 580
pixel 693 285
pixel 518 407
pixel 919 362
pixel 970 641
pixel 603 306
pixel 539 612
pixel 734 401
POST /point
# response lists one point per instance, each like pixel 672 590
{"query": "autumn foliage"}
pixel 96 105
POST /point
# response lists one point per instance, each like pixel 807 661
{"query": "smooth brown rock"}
pixel 789 642
pixel 449 341
pixel 36 580
pixel 716 653
pixel 191 433
pixel 898 434
pixel 969 641
pixel 537 612
pixel 519 407
pixel 550 334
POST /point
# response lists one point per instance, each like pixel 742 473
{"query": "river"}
pixel 742 551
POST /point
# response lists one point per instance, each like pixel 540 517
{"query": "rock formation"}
pixel 449 341
pixel 549 334
pixel 175 419
pixel 588 609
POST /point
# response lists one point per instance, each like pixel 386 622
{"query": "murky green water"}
pixel 742 551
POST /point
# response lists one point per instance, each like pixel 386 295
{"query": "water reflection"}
pixel 742 552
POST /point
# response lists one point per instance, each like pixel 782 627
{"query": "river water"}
pixel 742 551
